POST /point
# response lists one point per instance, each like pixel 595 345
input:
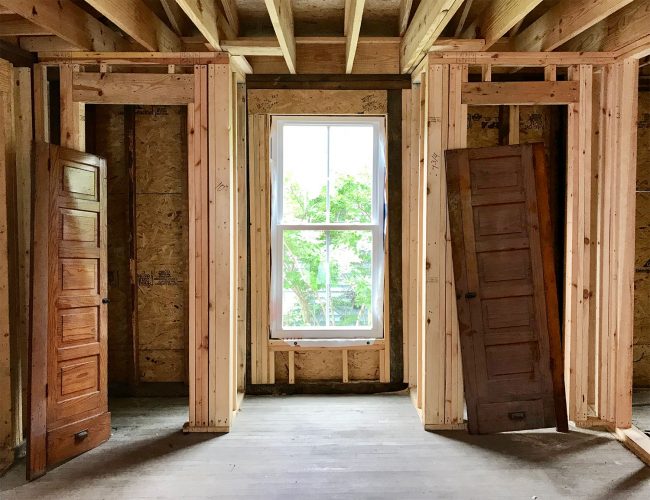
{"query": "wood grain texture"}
pixel 133 88
pixel 528 93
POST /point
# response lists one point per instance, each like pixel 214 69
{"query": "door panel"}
pixel 71 318
pixel 500 277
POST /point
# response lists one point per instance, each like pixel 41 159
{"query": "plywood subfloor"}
pixel 331 447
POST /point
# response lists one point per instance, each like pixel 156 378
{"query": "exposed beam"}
pixel 499 17
pixel 209 20
pixel 45 44
pixel 627 27
pixel 21 27
pixel 282 20
pixel 140 23
pixel 252 47
pixel 15 55
pixel 429 20
pixel 70 22
pixel 519 93
pixel 564 21
pixel 177 18
pixel 405 7
pixel 352 30
pixel 230 12
pixel 463 18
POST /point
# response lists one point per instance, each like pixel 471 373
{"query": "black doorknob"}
pixel 105 300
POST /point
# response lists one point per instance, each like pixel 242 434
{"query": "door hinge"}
pixel 46 389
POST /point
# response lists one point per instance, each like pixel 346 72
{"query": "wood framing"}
pixel 207 18
pixel 70 22
pixel 563 22
pixel 139 22
pixel 282 19
pixel 499 17
pixel 524 93
pixel 429 20
pixel 352 28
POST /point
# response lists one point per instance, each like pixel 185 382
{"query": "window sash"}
pixel 376 227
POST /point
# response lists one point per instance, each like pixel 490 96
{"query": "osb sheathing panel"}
pixel 110 143
pixel 482 126
pixel 363 365
pixel 317 102
pixel 642 292
pixel 319 365
pixel 643 141
pixel 161 232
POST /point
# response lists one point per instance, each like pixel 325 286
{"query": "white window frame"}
pixel 377 226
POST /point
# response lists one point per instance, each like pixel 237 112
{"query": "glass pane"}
pixel 350 278
pixel 304 279
pixel 351 168
pixel 304 168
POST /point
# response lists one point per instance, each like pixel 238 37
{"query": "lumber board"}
pixel 520 93
pixel 132 88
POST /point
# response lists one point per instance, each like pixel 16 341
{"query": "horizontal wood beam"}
pixel 46 44
pixel 132 88
pixel 429 20
pixel 519 93
pixel 138 21
pixel 70 22
pixel 564 21
pixel 498 18
pixel 155 58
pixel 521 58
pixel 253 47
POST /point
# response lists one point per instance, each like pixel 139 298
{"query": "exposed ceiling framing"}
pixel 300 33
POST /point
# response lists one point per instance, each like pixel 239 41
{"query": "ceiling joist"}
pixel 69 22
pixel 405 7
pixel 499 17
pixel 207 18
pixel 564 21
pixel 352 29
pixel 282 19
pixel 139 22
pixel 429 20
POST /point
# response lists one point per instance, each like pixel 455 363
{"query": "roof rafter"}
pixel 209 20
pixel 177 18
pixel 352 30
pixel 429 20
pixel 564 21
pixel 282 19
pixel 405 7
pixel 70 22
pixel 140 23
pixel 499 17
pixel 21 27
pixel 625 30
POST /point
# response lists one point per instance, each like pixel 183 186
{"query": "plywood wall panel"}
pixel 161 235
pixel 642 292
pixel 363 365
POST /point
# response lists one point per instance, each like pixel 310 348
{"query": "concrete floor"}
pixel 331 447
pixel 641 409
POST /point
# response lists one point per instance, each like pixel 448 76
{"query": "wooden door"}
pixel 68 351
pixel 502 247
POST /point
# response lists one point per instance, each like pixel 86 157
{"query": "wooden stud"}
pixel 73 133
pixel 292 367
pixel 345 367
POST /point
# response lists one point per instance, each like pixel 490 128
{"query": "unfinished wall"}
pixel 641 373
pixel 148 223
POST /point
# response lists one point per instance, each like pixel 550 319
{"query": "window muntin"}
pixel 327 227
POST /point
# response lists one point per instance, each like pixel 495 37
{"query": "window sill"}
pixel 293 344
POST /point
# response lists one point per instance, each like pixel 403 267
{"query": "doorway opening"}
pixel 147 204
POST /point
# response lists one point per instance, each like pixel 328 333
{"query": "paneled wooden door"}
pixel 502 247
pixel 68 342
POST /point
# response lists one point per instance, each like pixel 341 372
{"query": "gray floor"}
pixel 330 447
pixel 641 409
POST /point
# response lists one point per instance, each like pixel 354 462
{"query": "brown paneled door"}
pixel 506 290
pixel 68 352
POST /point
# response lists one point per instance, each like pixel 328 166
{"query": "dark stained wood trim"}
pixel 329 82
pixel 394 209
pixel 324 388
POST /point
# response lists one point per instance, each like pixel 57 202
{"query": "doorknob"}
pixel 105 300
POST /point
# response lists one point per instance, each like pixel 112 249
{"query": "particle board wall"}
pixel 148 311
pixel 161 235
pixel 641 370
